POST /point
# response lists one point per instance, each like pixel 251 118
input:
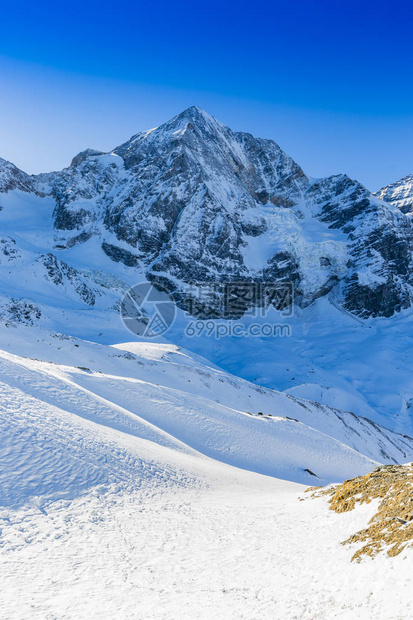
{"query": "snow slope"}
pixel 119 495
pixel 329 356
pixel 244 547
pixel 163 395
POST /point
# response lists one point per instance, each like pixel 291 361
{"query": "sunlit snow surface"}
pixel 120 499
pixel 141 481
pixel 162 394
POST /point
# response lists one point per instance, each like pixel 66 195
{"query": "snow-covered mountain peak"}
pixel 203 139
pixel 197 116
pixel 399 194
pixel 193 131
pixel 194 201
pixel 192 118
pixel 12 177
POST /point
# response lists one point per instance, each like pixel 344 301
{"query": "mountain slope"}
pixel 107 480
pixel 64 399
pixel 399 194
pixel 119 462
pixel 193 201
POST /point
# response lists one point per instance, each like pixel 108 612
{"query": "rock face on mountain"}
pixel 13 178
pixel 399 194
pixel 379 244
pixel 194 202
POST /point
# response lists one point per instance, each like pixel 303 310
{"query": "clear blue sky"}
pixel 330 81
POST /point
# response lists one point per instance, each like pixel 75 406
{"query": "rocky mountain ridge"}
pixel 193 201
pixel 399 194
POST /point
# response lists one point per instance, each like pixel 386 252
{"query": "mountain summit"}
pixel 399 194
pixel 193 201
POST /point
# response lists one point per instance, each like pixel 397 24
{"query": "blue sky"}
pixel 330 81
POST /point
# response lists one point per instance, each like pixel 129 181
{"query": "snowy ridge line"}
pixel 156 404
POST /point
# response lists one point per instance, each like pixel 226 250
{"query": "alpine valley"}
pixel 161 478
